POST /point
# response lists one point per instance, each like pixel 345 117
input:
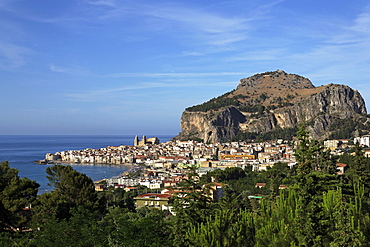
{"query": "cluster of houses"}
pixel 166 163
pixel 338 147
pixel 181 154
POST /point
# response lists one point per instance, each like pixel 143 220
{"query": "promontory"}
pixel 274 104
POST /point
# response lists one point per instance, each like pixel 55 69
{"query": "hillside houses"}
pixel 180 155
pixel 164 160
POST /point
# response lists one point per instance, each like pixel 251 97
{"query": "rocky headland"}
pixel 276 101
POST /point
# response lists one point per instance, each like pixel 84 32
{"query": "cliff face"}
pixel 271 100
pixel 204 125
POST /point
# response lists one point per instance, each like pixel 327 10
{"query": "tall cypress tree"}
pixel 315 175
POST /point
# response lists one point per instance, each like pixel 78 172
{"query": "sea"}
pixel 22 150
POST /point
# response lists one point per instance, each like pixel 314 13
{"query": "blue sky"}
pixel 132 67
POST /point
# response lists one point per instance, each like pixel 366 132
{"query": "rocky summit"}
pixel 272 105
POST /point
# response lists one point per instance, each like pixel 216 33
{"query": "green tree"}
pixel 347 221
pixel 315 175
pixel 192 205
pixel 278 222
pixel 81 229
pixel 311 156
pixel 15 194
pixel 229 173
pixel 227 228
pixel 119 198
pixel 283 221
pixel 71 189
pixel 359 168
pixel 73 186
pixel 143 228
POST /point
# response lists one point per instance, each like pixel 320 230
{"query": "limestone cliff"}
pixel 273 100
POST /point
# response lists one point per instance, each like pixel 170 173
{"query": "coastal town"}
pixel 161 166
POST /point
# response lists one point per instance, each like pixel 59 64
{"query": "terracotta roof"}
pixel 341 165
pixel 260 185
pixel 283 187
pixel 140 156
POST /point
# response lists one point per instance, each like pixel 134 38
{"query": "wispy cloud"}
pixel 264 55
pixel 332 55
pixel 192 53
pixel 12 56
pixel 75 70
pixel 191 22
pixel 5 5
pixel 115 94
pixel 346 49
pixel 109 9
pixel 109 3
pixel 97 95
pixel 210 27
pixel 204 21
pixel 362 23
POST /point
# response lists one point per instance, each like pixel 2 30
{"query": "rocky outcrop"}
pixel 222 127
pixel 282 79
pixel 283 100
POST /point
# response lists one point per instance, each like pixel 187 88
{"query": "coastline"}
pixel 61 162
pixel 131 166
pixel 22 150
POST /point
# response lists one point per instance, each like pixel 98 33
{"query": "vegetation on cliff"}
pixel 214 104
pixel 345 128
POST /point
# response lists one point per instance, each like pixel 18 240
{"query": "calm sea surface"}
pixel 22 150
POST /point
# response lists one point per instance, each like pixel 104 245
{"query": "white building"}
pixel 152 184
pixel 363 140
pixel 331 144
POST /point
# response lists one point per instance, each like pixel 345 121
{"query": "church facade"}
pixel 145 141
